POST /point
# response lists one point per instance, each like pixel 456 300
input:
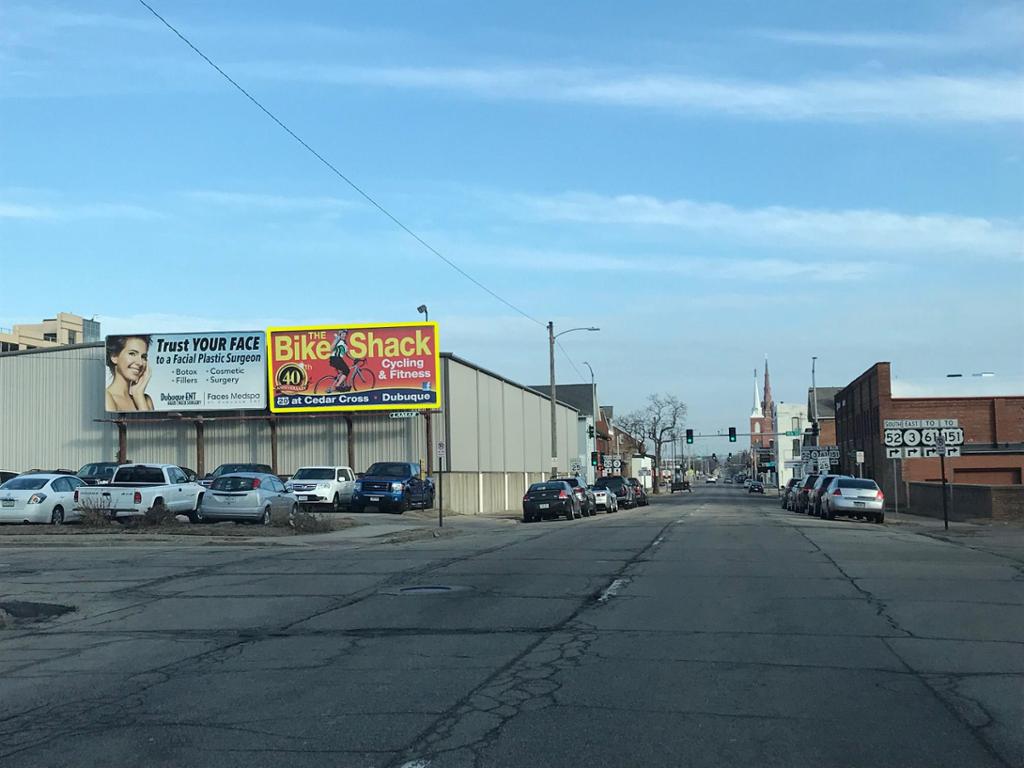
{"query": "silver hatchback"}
pixel 250 496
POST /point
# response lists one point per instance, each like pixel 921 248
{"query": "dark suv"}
pixel 802 493
pixel 394 486
pixel 621 487
pixel 588 504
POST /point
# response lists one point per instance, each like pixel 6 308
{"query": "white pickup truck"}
pixel 324 487
pixel 135 488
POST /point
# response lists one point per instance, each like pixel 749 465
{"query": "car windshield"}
pixel 97 470
pixel 857 483
pixel 24 484
pixel 229 469
pixel 314 473
pixel 570 480
pixel 389 469
pixel 230 483
pixel 552 486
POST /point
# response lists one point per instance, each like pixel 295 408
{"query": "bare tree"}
pixel 659 422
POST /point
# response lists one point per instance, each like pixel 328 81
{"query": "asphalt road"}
pixel 706 630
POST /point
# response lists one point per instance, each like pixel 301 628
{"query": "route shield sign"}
pixel 814 454
pixel 921 438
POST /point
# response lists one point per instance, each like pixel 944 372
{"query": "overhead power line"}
pixel 330 166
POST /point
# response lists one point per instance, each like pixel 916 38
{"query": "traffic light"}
pixel 689 437
pixel 814 428
pixel 594 458
pixel 732 434
pixel 590 432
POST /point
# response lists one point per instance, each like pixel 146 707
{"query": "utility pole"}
pixel 814 394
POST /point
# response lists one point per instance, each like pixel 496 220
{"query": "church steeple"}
pixel 767 404
pixel 756 412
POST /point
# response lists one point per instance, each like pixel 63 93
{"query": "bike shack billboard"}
pixel 379 367
pixel 224 371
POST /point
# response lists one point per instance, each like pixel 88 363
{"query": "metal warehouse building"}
pixel 497 433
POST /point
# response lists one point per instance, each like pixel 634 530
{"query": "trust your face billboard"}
pixel 186 371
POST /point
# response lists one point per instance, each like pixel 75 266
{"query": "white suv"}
pixel 329 487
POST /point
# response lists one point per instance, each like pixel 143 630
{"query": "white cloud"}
pixel 997 27
pixel 876 231
pixel 990 98
pixel 282 203
pixel 21 211
pixel 15 210
pixel 759 270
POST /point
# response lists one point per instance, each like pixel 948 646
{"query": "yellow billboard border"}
pixel 351 408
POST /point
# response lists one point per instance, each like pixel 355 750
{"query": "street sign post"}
pixel 941 446
pixel 442 452
pixel 814 453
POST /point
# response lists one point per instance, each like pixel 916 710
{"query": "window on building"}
pixel 72 337
pixel 7 346
pixel 796 447
pixel 757 427
pixel 50 337
pixel 794 423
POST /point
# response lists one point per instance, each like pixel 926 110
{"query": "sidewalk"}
pixel 1000 537
pixel 368 528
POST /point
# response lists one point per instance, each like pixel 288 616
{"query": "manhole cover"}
pixel 26 611
pixel 430 589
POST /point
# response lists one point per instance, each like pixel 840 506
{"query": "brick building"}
pixel 824 411
pixel 993 451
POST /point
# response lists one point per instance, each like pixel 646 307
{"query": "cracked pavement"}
pixel 737 634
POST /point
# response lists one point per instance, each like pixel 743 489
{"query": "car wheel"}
pixel 336 503
pixel 265 520
pixel 197 516
pixel 880 518
pixel 57 516
pixel 292 513
pixel 402 506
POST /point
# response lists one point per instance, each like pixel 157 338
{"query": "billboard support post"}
pixel 122 442
pixel 200 447
pixel 350 440
pixel 272 423
pixel 430 441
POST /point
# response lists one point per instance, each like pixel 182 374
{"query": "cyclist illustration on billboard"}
pixel 357 377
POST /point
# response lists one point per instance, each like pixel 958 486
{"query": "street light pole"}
pixel 427 417
pixel 554 420
pixel 551 362
pixel 593 398
pixel 814 394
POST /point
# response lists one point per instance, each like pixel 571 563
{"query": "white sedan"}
pixel 39 498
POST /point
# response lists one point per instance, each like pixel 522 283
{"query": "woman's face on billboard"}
pixel 132 360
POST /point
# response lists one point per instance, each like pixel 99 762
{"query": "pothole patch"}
pixel 23 612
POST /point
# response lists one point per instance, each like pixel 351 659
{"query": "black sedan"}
pixel 551 499
pixel 755 487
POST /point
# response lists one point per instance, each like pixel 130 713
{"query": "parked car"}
pixel 98 473
pixel 135 488
pixel 326 488
pixel 786 491
pixel 7 474
pixel 249 496
pixel 756 487
pixel 552 498
pixel 853 497
pixel 588 505
pixel 815 494
pixel 623 490
pixel 233 469
pixel 800 504
pixel 639 492
pixel 190 474
pixel 39 498
pixel 605 498
pixel 393 486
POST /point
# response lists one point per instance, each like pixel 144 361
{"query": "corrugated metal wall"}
pixel 50 399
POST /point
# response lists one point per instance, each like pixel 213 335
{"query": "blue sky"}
pixel 707 182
